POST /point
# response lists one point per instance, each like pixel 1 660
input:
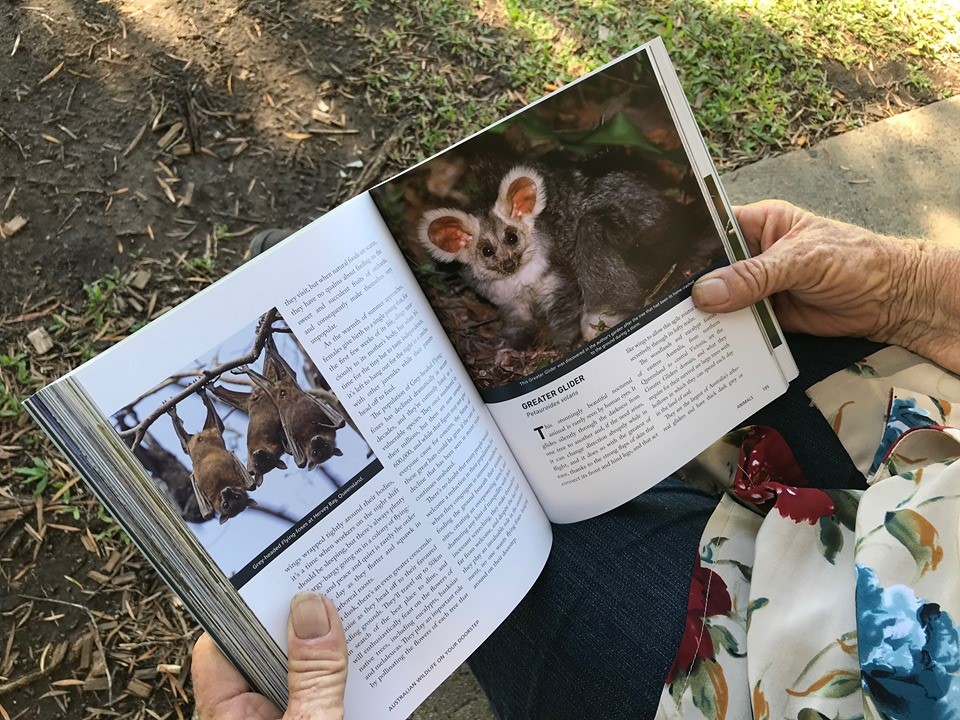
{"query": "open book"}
pixel 392 406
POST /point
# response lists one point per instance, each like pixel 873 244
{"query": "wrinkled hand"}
pixel 829 278
pixel 317 670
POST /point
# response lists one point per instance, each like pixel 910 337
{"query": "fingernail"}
pixel 710 291
pixel 308 615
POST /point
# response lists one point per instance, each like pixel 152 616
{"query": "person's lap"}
pixel 597 633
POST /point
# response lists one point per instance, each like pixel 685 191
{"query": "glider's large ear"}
pixel 522 194
pixel 445 233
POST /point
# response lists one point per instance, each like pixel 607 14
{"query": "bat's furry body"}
pixel 266 440
pixel 309 425
pixel 220 481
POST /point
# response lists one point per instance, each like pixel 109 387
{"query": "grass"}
pixel 100 296
pixel 762 76
pixel 38 475
pixel 14 374
pixel 79 333
pixel 758 72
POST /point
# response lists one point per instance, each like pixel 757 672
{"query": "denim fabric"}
pixel 597 634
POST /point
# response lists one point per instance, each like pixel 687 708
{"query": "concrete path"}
pixel 900 176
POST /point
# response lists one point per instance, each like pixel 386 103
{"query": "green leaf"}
pixel 830 539
pixel 755 605
pixel 861 368
pixel 917 535
pixel 845 503
pixel 835 684
pixel 714 543
pixel 708 688
pixel 677 687
pixel 724 638
pixel 745 570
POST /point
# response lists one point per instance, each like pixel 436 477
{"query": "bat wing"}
pixel 299 456
pixel 236 400
pixel 206 512
pixel 248 480
pixel 336 419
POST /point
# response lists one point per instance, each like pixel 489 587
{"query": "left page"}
pixel 305 424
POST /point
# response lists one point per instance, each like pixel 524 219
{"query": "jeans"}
pixel 597 633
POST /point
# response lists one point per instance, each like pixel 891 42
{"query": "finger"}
pixel 317 657
pixel 214 678
pixel 219 689
pixel 743 283
pixel 765 222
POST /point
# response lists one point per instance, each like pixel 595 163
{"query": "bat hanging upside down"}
pixel 309 424
pixel 219 479
pixel 266 441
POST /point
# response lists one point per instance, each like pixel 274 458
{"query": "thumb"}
pixel 317 659
pixel 741 284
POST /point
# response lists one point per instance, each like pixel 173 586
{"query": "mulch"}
pixel 158 139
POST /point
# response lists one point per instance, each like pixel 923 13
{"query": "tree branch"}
pixel 134 436
pixel 172 380
pixel 330 476
pixel 279 514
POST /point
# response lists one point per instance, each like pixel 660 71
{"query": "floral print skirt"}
pixel 840 604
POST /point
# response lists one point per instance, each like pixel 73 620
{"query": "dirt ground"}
pixel 171 128
pixel 157 138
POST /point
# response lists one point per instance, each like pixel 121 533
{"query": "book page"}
pixel 559 248
pixel 315 430
pixel 595 437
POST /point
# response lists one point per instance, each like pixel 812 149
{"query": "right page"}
pixel 558 249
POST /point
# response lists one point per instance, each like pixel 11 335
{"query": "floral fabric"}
pixel 809 603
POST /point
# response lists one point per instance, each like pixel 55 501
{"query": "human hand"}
pixel 317 670
pixel 826 277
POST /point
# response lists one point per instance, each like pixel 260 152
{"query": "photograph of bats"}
pixel 552 227
pixel 246 441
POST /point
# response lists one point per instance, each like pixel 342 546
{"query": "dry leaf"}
pixel 166 190
pixel 140 279
pixel 53 73
pixel 136 140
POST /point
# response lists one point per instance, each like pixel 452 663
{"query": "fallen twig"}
pixel 96 637
pixel 373 168
pixel 12 139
